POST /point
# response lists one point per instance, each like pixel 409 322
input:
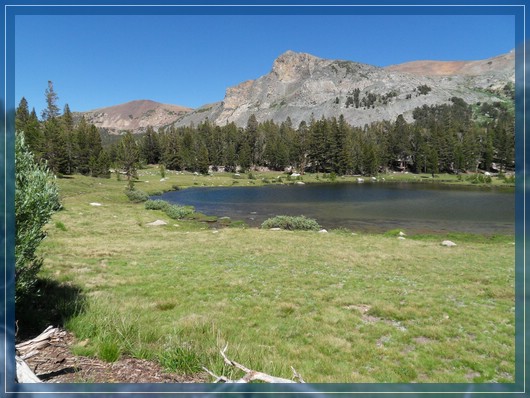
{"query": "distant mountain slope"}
pixel 134 115
pixel 302 86
pixel 496 65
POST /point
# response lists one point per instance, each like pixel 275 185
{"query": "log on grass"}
pixel 250 375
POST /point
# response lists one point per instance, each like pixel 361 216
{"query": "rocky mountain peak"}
pixel 293 65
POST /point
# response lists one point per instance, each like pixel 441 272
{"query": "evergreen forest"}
pixel 451 138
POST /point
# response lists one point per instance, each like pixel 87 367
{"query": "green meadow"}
pixel 338 307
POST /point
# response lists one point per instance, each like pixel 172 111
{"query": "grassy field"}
pixel 338 307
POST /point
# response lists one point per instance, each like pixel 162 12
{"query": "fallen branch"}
pixel 250 375
pixel 24 373
pixel 29 349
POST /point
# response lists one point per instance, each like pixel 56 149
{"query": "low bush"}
pixel 136 195
pixel 156 204
pixel 479 179
pixel 178 212
pixel 298 223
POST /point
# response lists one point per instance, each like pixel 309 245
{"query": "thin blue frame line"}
pixel 524 199
pixel 5 195
pixel 307 6
pixel 266 5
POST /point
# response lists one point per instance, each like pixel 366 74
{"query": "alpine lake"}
pixel 365 207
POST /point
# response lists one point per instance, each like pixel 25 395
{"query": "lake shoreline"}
pixel 203 198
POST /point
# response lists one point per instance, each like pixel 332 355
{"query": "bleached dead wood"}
pixel 30 348
pixel 41 341
pixel 250 375
pixel 24 373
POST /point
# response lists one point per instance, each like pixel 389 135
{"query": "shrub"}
pixel 479 179
pixel 156 204
pixel 36 198
pixel 177 212
pixel 136 195
pixel 290 223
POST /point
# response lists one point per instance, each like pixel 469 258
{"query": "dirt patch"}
pixel 56 364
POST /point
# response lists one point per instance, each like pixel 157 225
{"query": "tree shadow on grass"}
pixel 53 304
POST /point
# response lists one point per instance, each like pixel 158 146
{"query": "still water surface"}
pixel 372 207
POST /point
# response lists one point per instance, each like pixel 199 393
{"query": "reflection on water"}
pixel 365 207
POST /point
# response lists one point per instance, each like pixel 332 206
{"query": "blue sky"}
pixel 101 60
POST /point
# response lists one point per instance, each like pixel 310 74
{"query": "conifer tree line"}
pixel 444 138
pixel 454 137
pixel 67 148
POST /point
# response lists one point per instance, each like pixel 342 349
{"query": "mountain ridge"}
pixel 302 86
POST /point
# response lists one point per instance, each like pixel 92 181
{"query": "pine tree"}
pixel 83 147
pixel 52 110
pixel 34 135
pixel 150 148
pixel 245 156
pixel 70 140
pixel 22 116
pixel 129 157
pixel 102 165
pixel 203 161
pixel 55 147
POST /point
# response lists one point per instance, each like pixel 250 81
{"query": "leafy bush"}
pixel 177 212
pixel 36 198
pixel 156 204
pixel 136 196
pixel 290 223
pixel 479 179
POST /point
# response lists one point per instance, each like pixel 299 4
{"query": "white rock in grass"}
pixel 156 223
pixel 401 233
pixel 323 231
pixel 95 204
pixel 401 237
pixel 448 243
pixel 275 229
